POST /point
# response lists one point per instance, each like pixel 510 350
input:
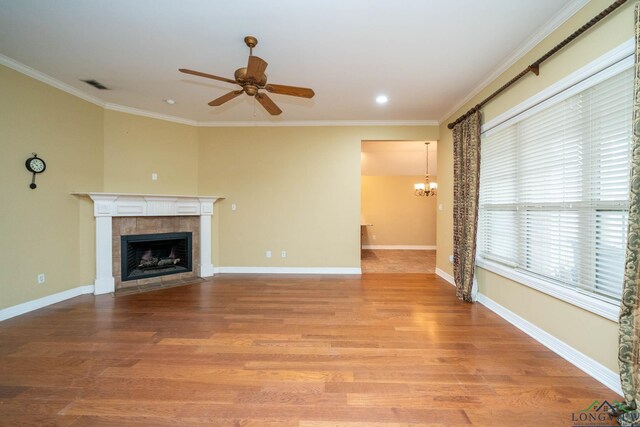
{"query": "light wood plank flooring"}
pixel 377 350
pixel 398 261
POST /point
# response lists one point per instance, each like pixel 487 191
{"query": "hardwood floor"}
pixel 377 350
pixel 398 261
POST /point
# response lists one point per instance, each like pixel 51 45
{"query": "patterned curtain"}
pixel 466 180
pixel 629 340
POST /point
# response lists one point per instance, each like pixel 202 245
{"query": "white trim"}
pixel 206 266
pixel 290 270
pixel 587 302
pixel 26 307
pixel 580 360
pixel 150 114
pixel 446 276
pixel 109 205
pixel 145 195
pixel 331 123
pixel 401 247
pixel 105 282
pixel 619 59
pixel 44 78
pixel 543 32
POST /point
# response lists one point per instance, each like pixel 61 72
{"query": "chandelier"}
pixel 426 188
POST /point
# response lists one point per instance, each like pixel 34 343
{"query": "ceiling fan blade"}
pixel 256 68
pixel 209 76
pixel 302 92
pixel 268 104
pixel 224 98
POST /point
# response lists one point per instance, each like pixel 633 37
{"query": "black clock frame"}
pixel 34 172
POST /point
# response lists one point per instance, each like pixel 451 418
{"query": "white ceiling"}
pixel 427 56
pixel 393 158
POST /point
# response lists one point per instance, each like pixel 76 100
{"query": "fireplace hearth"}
pixel 152 255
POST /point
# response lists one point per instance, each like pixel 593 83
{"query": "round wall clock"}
pixel 35 165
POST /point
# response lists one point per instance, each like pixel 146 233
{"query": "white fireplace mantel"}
pixel 108 205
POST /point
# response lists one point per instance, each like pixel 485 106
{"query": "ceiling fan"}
pixel 252 79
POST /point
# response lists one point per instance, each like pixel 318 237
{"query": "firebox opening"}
pixel 151 255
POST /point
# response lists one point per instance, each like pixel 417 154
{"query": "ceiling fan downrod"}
pixel 251 42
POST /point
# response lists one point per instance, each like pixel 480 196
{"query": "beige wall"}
pixel 46 230
pixel 397 215
pixel 296 189
pixel 560 319
pixel 135 147
pixel 583 330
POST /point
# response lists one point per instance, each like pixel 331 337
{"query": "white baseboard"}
pixel 290 270
pixel 401 247
pixel 26 307
pixel 446 276
pixel 580 360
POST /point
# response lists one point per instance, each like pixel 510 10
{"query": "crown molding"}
pixel 332 123
pixel 150 114
pixel 605 66
pixel 556 21
pixel 44 78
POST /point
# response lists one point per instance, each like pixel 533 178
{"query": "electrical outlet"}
pixel 154 176
pixel 233 206
pixel 373 237
pixel 283 254
pixel 268 254
pixel 41 278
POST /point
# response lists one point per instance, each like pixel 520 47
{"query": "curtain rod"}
pixel 535 67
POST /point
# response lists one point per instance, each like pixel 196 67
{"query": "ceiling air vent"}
pixel 95 84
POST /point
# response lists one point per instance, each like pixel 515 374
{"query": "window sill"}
pixel 602 308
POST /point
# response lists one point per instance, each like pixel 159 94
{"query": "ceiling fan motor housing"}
pixel 241 77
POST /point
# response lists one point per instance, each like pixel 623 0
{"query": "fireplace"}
pixel 152 255
pixel 118 215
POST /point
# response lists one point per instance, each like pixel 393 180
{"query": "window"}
pixel 554 184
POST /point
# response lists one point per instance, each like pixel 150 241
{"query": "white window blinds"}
pixel 554 188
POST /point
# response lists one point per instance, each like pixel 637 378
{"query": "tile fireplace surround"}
pixel 106 206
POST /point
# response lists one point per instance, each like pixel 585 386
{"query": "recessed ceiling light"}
pixel 382 99
pixel 169 101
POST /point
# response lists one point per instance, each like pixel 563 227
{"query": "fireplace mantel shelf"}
pixel 170 196
pixel 109 205
pixel 129 204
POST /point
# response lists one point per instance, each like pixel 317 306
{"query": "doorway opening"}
pixel 397 220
